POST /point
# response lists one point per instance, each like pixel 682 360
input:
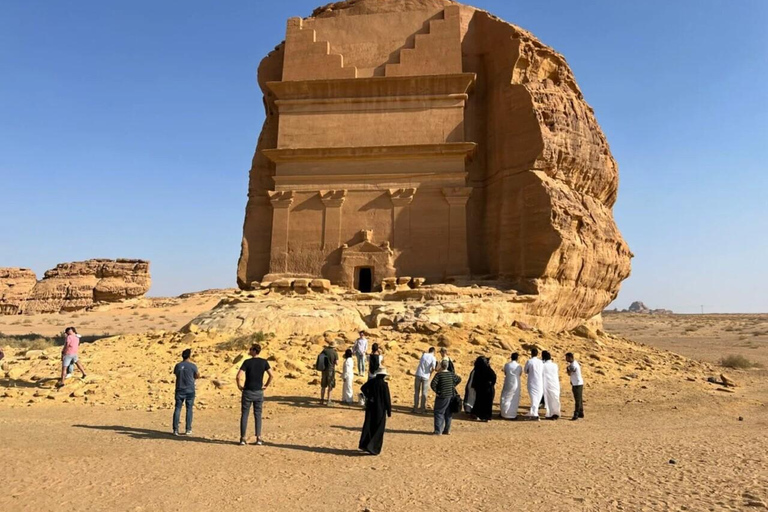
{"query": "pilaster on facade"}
pixel 281 202
pixel 333 200
pixel 457 198
pixel 401 216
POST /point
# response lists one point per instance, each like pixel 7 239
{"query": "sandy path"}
pixel 66 457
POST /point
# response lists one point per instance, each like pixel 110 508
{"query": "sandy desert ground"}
pixel 657 436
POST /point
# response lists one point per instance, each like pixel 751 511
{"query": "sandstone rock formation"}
pixel 640 308
pixel 427 138
pixel 73 286
pixel 15 286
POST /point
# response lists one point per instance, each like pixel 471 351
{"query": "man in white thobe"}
pixel 510 394
pixel 533 368
pixel 551 387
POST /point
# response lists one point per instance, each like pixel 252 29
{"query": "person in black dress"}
pixel 378 406
pixel 483 382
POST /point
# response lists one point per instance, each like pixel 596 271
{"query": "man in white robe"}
pixel 510 394
pixel 533 368
pixel 551 375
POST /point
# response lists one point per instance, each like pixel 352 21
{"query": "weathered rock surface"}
pixel 542 178
pixel 73 286
pixel 15 286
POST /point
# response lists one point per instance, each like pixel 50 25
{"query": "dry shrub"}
pixel 245 342
pixel 28 341
pixel 736 361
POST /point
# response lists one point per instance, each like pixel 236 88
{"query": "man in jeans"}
pixel 186 374
pixel 328 377
pixel 360 348
pixel 577 385
pixel 444 385
pixel 253 391
pixel 427 365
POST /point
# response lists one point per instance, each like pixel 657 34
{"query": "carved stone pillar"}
pixel 278 258
pixel 457 198
pixel 401 216
pixel 333 200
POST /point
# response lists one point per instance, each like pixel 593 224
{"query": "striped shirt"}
pixel 443 384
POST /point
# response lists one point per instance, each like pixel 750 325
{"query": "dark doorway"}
pixel 365 279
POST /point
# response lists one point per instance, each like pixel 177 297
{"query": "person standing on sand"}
pixel 374 360
pixel 510 394
pixel 253 391
pixel 533 369
pixel 551 379
pixel 426 367
pixel 360 348
pixel 69 354
pixel 348 374
pixel 67 332
pixel 378 407
pixel 484 383
pixel 328 377
pixel 444 385
pixel 186 374
pixel 577 385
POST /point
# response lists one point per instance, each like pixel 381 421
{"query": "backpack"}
pixel 322 362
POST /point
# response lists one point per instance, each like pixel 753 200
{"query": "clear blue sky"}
pixel 127 130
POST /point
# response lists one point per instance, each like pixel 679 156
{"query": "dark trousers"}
pixel 578 398
pixel 255 398
pixel 443 415
pixel 188 398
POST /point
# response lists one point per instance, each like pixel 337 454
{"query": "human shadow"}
pixel 305 402
pixel 18 383
pixel 389 430
pixel 319 449
pixel 145 433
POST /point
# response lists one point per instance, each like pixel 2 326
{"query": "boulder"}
pixel 320 285
pixel 727 381
pixel 15 286
pixel 585 332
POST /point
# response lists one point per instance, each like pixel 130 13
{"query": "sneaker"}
pixel 69 375
pixel 242 442
pixel 176 433
pixel 188 433
pixel 259 442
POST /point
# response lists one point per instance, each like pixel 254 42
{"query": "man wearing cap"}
pixel 328 379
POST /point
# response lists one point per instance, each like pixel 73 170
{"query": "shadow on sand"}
pixel 145 433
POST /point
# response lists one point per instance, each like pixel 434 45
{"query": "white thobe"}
pixel 533 368
pixel 510 394
pixel 551 389
pixel 348 374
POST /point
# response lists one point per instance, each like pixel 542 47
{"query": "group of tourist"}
pixel 542 375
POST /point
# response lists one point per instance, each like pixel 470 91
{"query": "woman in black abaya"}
pixel 378 406
pixel 483 382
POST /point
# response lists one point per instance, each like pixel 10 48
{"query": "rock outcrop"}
pixel 73 286
pixel 640 308
pixel 15 286
pixel 535 199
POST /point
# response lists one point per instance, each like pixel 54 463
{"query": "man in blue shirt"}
pixel 186 374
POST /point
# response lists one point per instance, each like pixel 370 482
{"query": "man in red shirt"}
pixel 69 353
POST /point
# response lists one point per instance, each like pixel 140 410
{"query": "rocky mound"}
pixel 73 286
pixel 15 286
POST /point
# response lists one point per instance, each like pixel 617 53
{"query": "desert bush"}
pixel 245 342
pixel 736 361
pixel 28 341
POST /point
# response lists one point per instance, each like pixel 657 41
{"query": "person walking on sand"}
pixel 69 354
pixel 550 373
pixel 510 393
pixel 348 374
pixel 444 357
pixel 577 385
pixel 67 332
pixel 374 360
pixel 360 348
pixel 533 369
pixel 253 391
pixel 378 407
pixel 326 363
pixel 444 385
pixel 186 373
pixel 424 371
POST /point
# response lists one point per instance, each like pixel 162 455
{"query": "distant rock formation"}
pixel 72 286
pixel 640 308
pixel 15 286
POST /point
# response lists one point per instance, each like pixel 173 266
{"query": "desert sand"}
pixel 657 435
